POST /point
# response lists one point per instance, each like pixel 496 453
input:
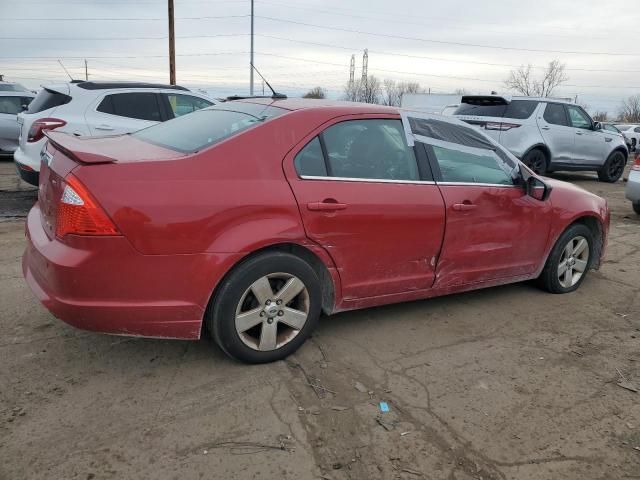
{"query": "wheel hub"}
pixel 271 310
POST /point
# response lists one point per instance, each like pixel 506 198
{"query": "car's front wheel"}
pixel 613 168
pixel 569 260
pixel 536 160
pixel 265 308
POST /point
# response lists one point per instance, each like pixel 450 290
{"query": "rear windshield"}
pixel 47 99
pixel 518 109
pixel 203 128
pixel 12 87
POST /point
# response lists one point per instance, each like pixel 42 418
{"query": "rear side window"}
pixel 520 109
pixel 637 130
pixel 554 114
pixel 204 128
pixel 47 99
pixel 481 110
pixel 310 160
pixel 139 105
pixel 370 149
pixel 183 104
pixel 13 105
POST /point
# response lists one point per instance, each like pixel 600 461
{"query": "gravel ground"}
pixel 504 383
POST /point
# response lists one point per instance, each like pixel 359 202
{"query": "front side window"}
pixel 466 165
pixel 138 105
pixel 578 118
pixel 183 104
pixel 554 114
pixel 370 149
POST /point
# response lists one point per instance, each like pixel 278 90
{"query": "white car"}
pixel 97 109
pixel 631 132
pixel 14 99
pixel 632 190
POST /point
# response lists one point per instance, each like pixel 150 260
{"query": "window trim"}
pixel 425 176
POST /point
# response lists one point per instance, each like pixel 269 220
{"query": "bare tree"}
pixel 601 116
pixel 461 91
pixel 523 81
pixel 630 110
pixel 316 92
pixel 391 94
pixel 367 91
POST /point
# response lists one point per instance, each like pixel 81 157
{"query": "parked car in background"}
pixel 632 132
pixel 450 109
pixel 13 87
pixel 252 217
pixel 548 134
pixel 97 109
pixel 632 190
pixel 612 128
pixel 12 102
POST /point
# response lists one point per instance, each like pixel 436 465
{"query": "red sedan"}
pixel 252 217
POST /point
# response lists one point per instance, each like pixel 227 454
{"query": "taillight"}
pixel 36 132
pixel 636 164
pixel 503 127
pixel 80 214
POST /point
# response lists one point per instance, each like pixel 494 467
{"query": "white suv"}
pixel 97 109
pixel 548 134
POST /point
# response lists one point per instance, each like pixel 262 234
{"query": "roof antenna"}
pixel 65 70
pixel 275 94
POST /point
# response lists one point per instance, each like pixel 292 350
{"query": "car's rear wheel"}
pixel 536 160
pixel 569 260
pixel 636 207
pixel 613 168
pixel 265 308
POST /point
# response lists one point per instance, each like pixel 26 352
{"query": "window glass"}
pixel 310 160
pixel 520 109
pixel 611 128
pixel 490 110
pixel 12 87
pixel 191 133
pixel 140 105
pixel 457 165
pixel 183 104
pixel 623 128
pixel 637 130
pixel 578 118
pixel 10 105
pixel 47 99
pixel 554 113
pixel 373 149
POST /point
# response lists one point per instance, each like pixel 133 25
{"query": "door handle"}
pixel 104 127
pixel 464 207
pixel 327 205
pixel 608 140
pixel 545 128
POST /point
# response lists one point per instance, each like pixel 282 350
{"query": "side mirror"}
pixel 537 189
pixel 597 126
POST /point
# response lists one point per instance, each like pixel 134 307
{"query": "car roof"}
pixel 309 103
pixel 115 85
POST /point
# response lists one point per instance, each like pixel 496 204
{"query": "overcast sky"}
pixel 302 44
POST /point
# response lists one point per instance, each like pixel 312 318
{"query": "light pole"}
pixel 251 60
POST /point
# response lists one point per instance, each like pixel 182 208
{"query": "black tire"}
pixel 221 316
pixel 613 168
pixel 549 278
pixel 636 207
pixel 536 160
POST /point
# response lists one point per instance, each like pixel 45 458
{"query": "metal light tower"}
pixel 251 60
pixel 352 71
pixel 365 65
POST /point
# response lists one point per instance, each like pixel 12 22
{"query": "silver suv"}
pixel 548 134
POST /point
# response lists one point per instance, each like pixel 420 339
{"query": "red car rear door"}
pixel 371 202
pixel 494 229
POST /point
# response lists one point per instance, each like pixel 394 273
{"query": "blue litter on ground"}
pixel 384 407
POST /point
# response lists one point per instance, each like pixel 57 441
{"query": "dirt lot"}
pixel 505 383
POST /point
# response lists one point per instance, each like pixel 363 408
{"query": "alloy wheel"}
pixel 616 167
pixel 536 162
pixel 272 311
pixel 573 261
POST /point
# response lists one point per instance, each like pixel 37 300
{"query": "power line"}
pixel 121 19
pixel 443 42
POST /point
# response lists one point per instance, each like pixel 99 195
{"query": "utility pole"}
pixel 365 66
pixel 352 71
pixel 86 70
pixel 251 59
pixel 172 47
